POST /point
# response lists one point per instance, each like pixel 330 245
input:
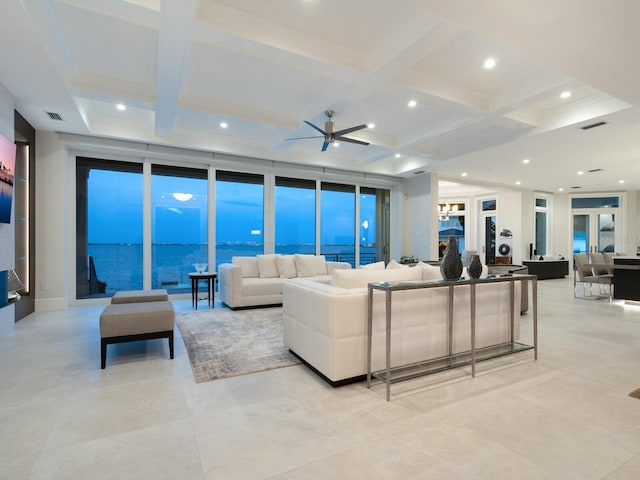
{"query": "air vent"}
pixel 419 172
pixel 54 116
pixel 593 125
pixel 576 187
pixel 594 170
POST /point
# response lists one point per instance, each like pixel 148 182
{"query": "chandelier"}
pixel 445 209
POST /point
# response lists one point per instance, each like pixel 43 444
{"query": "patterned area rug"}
pixel 224 343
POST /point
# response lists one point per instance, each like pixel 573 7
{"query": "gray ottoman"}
pixel 137 296
pixel 128 322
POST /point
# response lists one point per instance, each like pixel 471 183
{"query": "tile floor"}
pixel 566 416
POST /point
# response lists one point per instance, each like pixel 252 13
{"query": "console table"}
pixel 545 269
pixel 451 360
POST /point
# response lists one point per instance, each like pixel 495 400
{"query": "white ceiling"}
pixel 181 67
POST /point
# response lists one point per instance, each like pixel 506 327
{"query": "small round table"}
pixel 210 277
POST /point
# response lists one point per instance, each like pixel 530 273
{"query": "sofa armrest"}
pixel 230 284
pixel 331 266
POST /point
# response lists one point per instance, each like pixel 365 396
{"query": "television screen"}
pixel 7 172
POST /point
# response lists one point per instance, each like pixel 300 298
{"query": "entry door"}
pixel 489 238
pixel 594 231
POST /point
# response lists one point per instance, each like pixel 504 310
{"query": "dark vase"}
pixel 451 264
pixel 475 267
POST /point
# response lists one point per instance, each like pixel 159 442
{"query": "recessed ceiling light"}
pixel 463 174
pixel 565 94
pixel 397 155
pixel 336 144
pixel 580 172
pixel 224 124
pixel 518 182
pixel 412 103
pixel 121 107
pixel 561 189
pixel 371 125
pixel 489 63
pixel 525 161
pixel 620 181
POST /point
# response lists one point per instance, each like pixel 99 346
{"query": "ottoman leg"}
pixel 171 345
pixel 103 353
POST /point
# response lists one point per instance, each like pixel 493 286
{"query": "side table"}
pixel 210 278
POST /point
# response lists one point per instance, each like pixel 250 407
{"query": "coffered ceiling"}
pixel 181 68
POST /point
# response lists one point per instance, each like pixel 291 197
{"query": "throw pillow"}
pixel 393 265
pixel 248 266
pixel 430 272
pixel 373 266
pixel 286 266
pixel 321 265
pixel 267 266
pixel 306 265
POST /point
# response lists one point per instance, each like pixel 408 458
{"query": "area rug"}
pixel 225 343
pixel 635 393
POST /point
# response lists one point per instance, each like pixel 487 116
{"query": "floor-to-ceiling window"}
pixel 239 215
pixel 542 206
pixel 371 201
pixel 179 223
pixel 109 227
pixel 337 222
pixel 295 215
pixel 452 225
pixel 594 224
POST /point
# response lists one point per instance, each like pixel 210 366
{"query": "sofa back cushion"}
pixel 360 278
pixel 373 266
pixel 393 265
pixel 267 265
pixel 321 265
pixel 286 266
pixel 248 266
pixel 306 265
pixel 429 272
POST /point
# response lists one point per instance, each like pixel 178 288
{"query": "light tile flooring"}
pixel 566 416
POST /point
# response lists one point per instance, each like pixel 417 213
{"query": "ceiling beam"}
pixel 177 20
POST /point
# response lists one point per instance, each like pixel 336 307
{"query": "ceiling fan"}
pixel 330 135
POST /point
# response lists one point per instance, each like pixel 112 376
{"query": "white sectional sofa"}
pixel 257 281
pixel 325 325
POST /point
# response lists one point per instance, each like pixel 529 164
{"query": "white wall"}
pixel 52 245
pixel 510 216
pixel 420 229
pixel 7 235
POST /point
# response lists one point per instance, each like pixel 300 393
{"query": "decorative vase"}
pixel 451 265
pixel 475 267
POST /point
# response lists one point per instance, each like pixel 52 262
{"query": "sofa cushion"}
pixel 373 266
pixel 429 272
pixel 248 266
pixel 393 265
pixel 267 265
pixel 359 278
pixel 306 265
pixel 321 265
pixel 253 287
pixel 286 266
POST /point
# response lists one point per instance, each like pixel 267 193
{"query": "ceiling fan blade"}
pixel 349 130
pixel 351 140
pixel 303 138
pixel 325 145
pixel 317 128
